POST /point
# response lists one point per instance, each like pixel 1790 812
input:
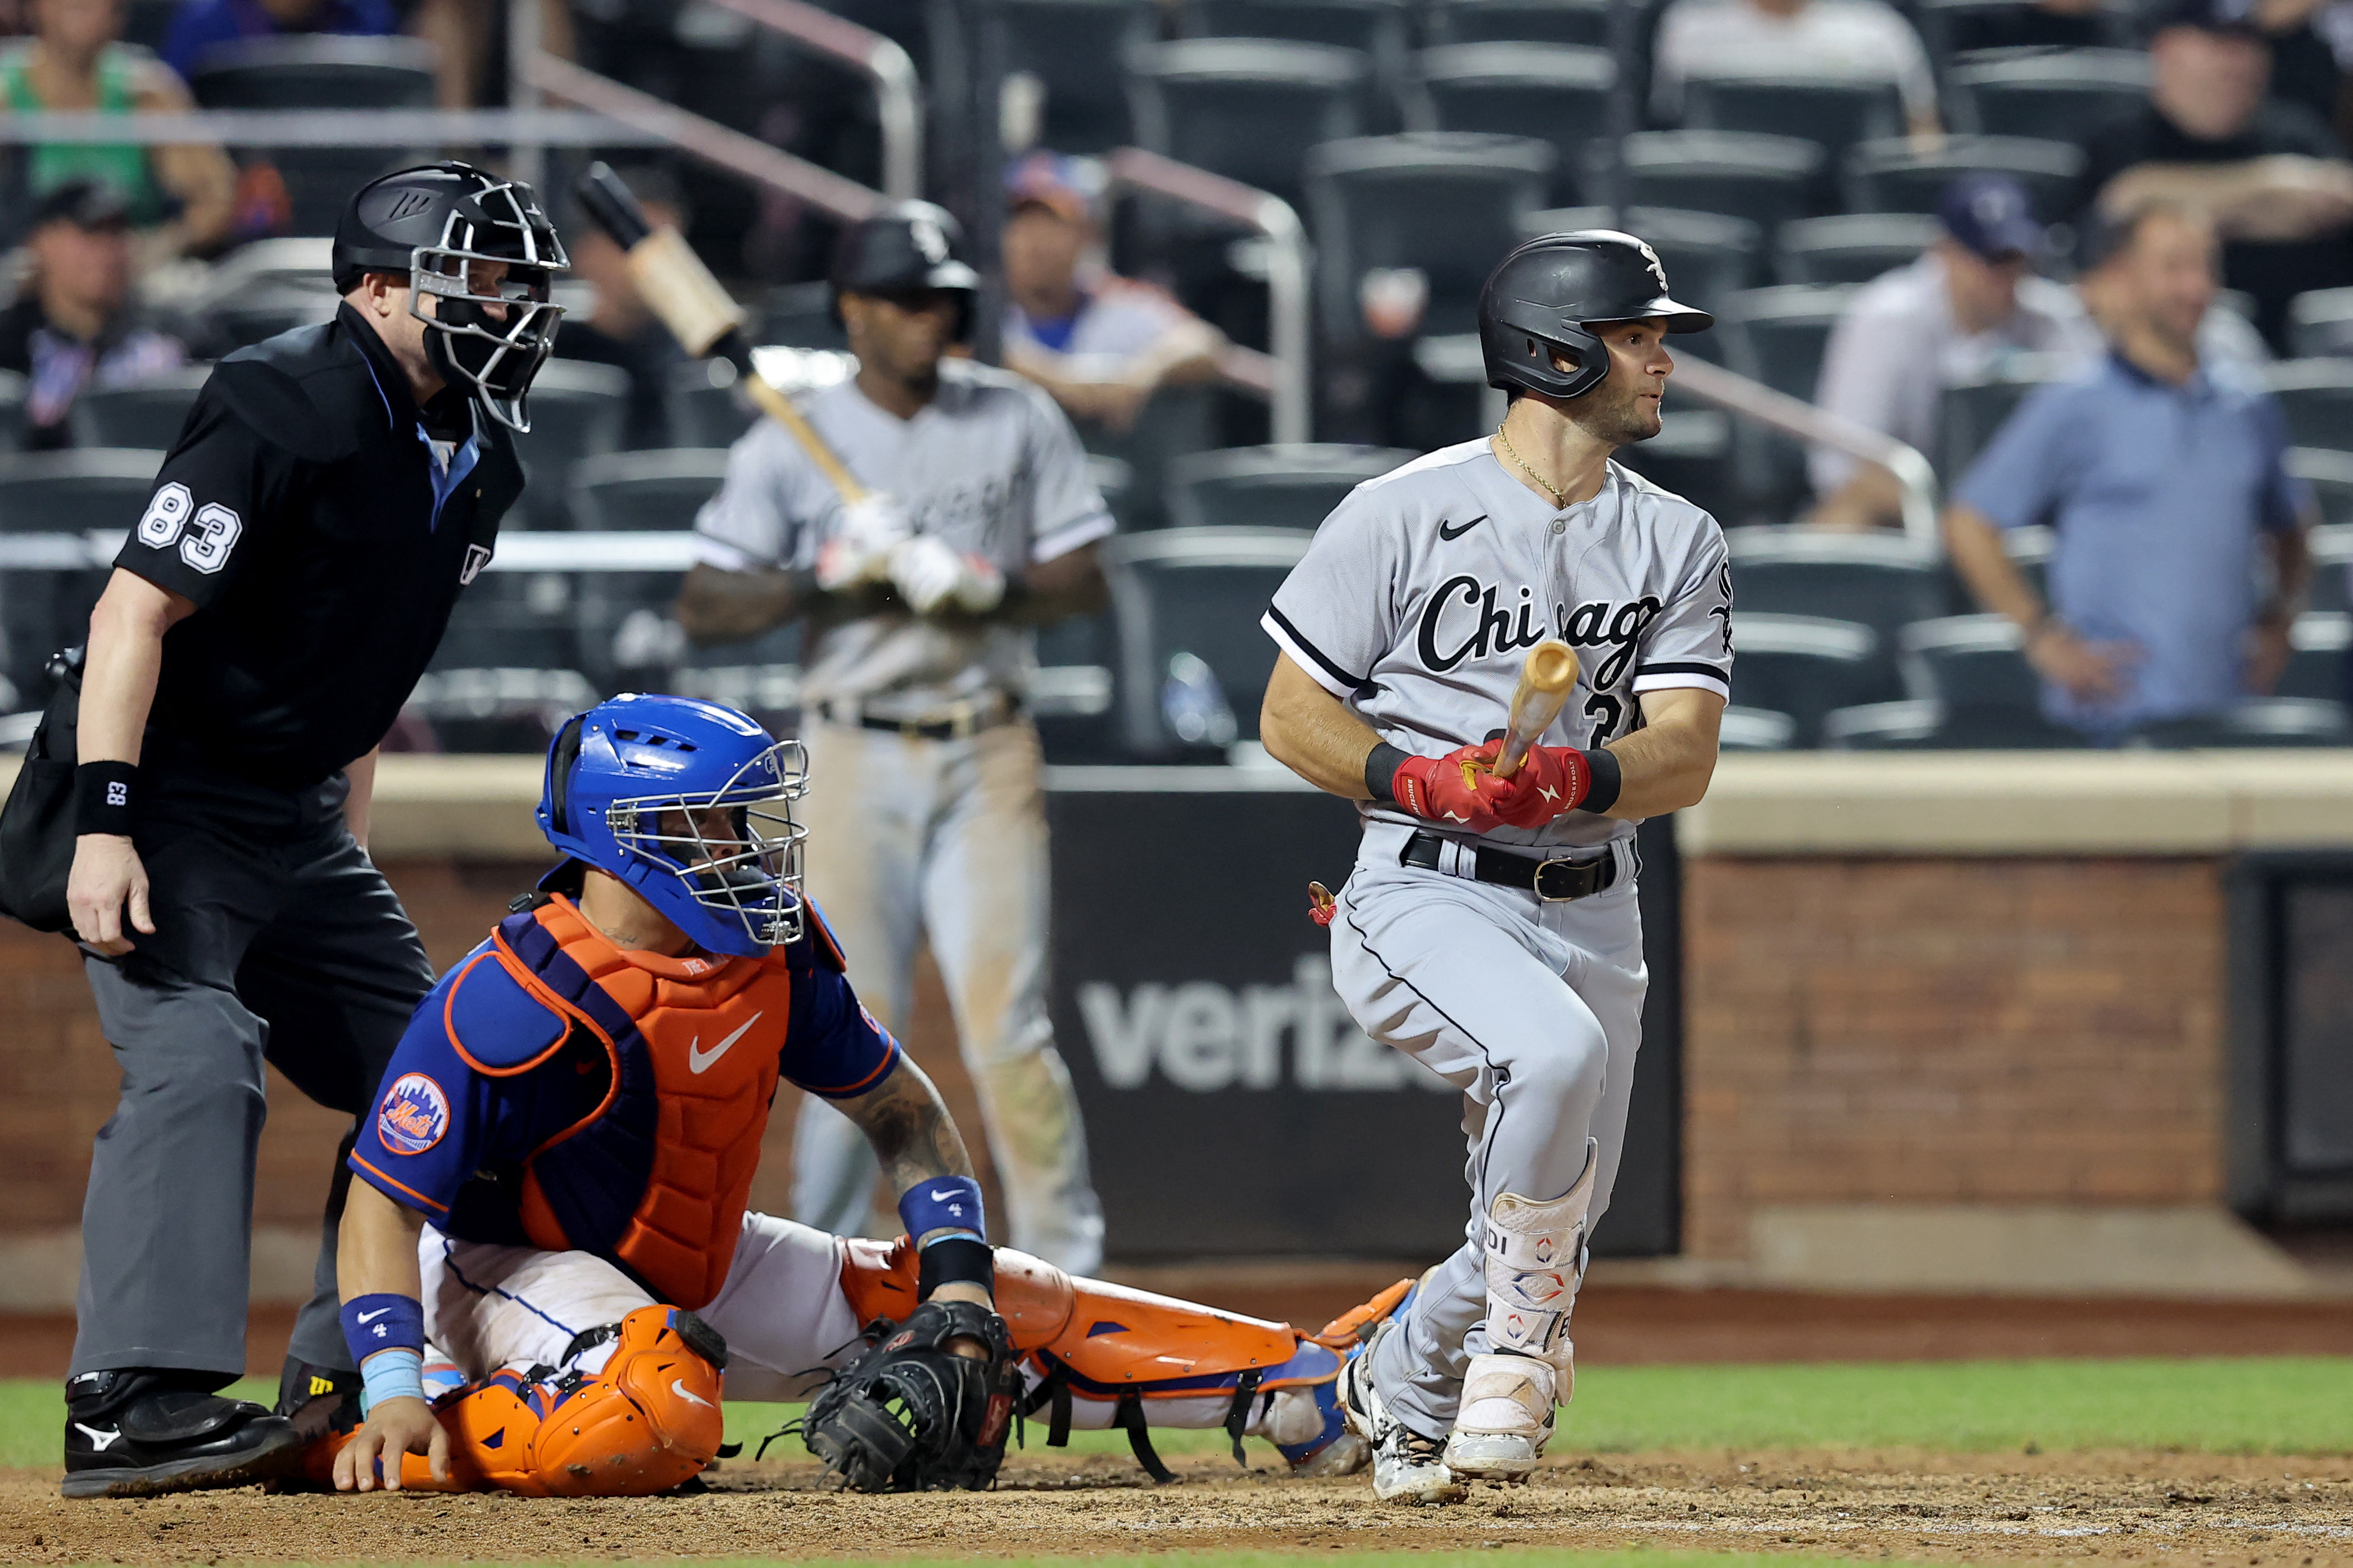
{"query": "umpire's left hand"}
pixel 106 876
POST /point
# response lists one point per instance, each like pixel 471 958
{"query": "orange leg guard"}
pixel 646 1423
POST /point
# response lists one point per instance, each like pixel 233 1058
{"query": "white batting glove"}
pixel 859 550
pixel 929 574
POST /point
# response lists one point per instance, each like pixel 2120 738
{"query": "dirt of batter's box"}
pixel 2121 1507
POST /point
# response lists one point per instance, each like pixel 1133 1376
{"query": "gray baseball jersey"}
pixel 1425 587
pixel 989 465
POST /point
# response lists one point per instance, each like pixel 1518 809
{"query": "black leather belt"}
pixel 968 720
pixel 1554 882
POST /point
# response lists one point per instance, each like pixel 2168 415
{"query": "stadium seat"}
pixel 1802 666
pixel 1853 248
pixel 1193 666
pixel 1756 730
pixel 643 491
pixel 1585 22
pixel 1444 203
pixel 2330 475
pixel 1246 108
pixel 1271 486
pixel 800 315
pixel 1922 726
pixel 2317 395
pixel 1968 661
pixel 1765 179
pixel 2317 656
pixel 145 415
pixel 1690 455
pixel 2320 323
pixel 1778 335
pixel 1558 91
pixel 577 411
pixel 266 312
pixel 1974 411
pixel 1883 580
pixel 1832 113
pixel 2257 722
pixel 1374 27
pixel 1708 257
pixel 42 609
pixel 321 70
pixel 2063 96
pixel 514 710
pixel 2332 565
pixel 1894 177
pixel 1073 49
pixel 705 409
pixel 14 390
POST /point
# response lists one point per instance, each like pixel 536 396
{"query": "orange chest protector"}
pixel 655 1176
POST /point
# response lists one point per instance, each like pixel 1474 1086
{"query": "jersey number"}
pixel 1608 711
pixel 207 546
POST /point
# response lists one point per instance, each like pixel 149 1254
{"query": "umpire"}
pixel 333 491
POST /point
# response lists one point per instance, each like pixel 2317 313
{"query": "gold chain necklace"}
pixel 1559 497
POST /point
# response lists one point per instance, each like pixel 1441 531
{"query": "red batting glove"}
pixel 1456 789
pixel 1550 780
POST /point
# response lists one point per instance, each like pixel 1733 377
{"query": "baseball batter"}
pixel 928 815
pixel 1490 928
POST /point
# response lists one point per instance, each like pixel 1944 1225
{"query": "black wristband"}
pixel 1380 769
pixel 102 797
pixel 955 1260
pixel 1602 792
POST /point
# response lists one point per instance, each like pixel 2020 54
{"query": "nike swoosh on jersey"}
pixel 102 1441
pixel 698 1060
pixel 1456 531
pixel 371 1316
pixel 677 1386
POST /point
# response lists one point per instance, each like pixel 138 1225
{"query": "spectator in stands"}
pixel 2268 173
pixel 1101 344
pixel 1864 39
pixel 72 327
pixel 2167 481
pixel 2103 283
pixel 203 24
pixel 1970 302
pixel 74 62
pixel 622 330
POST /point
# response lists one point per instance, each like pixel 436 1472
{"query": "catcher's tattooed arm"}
pixel 909 1126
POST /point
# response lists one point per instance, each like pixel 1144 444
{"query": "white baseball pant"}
pixel 1533 1010
pixel 910 838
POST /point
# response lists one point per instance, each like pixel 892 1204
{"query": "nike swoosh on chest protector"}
pixel 698 1060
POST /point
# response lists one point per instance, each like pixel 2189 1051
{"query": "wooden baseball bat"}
pixel 1547 678
pixel 707 322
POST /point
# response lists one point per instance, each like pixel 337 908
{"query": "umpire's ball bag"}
pixel 36 829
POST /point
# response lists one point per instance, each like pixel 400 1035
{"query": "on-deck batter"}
pixel 1490 928
pixel 927 814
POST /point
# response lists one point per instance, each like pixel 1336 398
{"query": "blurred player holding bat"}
pixel 1490 928
pixel 923 516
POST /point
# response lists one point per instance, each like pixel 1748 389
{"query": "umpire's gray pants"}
pixel 277 939
pixel 1535 1011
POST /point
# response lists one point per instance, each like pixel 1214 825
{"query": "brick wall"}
pixel 2009 1031
pixel 58 1081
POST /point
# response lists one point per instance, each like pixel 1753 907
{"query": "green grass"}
pixel 2251 1404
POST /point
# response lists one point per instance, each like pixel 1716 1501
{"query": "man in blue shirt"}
pixel 199 25
pixel 2181 558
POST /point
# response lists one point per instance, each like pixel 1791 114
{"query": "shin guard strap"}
pixel 1238 1413
pixel 1129 1418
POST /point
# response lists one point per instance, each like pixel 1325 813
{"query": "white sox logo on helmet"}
pixel 926 232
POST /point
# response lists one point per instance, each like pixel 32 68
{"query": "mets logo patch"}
pixel 413 1115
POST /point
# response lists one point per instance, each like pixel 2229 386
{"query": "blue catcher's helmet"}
pixel 690 805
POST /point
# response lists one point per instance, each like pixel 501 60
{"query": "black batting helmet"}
pixel 903 249
pixel 1547 292
pixel 431 224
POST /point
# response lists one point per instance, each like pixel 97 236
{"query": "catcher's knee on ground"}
pixel 646 1421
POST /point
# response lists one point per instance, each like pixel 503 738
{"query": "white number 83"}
pixel 207 546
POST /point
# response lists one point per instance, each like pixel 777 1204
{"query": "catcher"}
pixel 551 1201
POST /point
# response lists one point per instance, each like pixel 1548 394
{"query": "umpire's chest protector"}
pixel 655 1176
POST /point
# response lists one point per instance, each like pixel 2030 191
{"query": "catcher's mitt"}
pixel 911 1415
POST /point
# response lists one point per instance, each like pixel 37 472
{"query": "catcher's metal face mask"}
pixel 492 323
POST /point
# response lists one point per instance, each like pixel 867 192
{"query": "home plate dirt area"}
pixel 2122 1506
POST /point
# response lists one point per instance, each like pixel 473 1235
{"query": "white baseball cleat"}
pixel 1407 1465
pixel 1506 1419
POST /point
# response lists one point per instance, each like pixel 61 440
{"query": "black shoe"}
pixel 318 1400
pixel 133 1432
